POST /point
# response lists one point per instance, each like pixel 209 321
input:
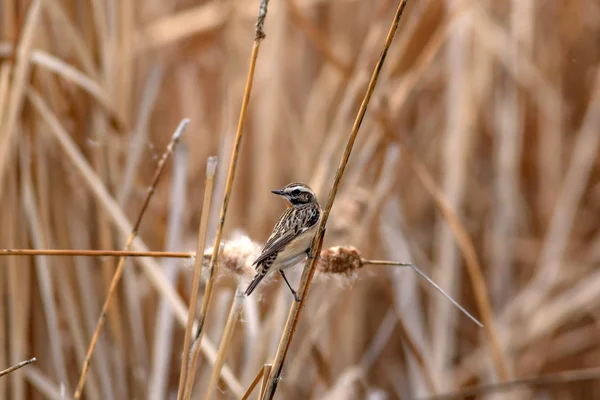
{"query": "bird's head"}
pixel 297 194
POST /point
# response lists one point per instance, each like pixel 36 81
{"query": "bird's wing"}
pixel 279 243
pixel 287 228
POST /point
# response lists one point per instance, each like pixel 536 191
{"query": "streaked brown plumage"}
pixel 292 236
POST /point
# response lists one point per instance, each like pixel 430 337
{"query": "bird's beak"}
pixel 277 192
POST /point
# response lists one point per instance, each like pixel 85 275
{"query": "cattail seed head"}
pixel 340 260
pixel 236 256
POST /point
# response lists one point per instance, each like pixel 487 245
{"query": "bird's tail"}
pixel 254 283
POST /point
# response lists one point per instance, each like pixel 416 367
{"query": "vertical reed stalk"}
pixel 258 37
pixel 309 268
pixel 232 319
pixel 211 168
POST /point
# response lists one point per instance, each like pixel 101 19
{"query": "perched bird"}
pixel 292 237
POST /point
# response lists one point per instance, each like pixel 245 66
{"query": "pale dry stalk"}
pixel 121 264
pixel 18 89
pixel 234 315
pixel 164 324
pixel 211 167
pixel 456 139
pixel 258 37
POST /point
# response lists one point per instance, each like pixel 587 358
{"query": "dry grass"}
pixel 477 161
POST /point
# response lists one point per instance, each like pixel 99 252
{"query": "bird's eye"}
pixel 295 192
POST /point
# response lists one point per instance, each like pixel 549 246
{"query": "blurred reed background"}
pixel 490 109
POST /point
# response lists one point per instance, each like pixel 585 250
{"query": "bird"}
pixel 292 236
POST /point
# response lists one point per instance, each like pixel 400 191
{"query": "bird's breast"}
pixel 297 246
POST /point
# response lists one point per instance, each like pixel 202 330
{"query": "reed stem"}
pixel 95 253
pixel 310 267
pixel 119 271
pixel 234 315
pixel 16 367
pixel 212 270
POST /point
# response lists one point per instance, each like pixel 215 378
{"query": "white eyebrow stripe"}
pixel 301 188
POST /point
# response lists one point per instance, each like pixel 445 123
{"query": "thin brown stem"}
pixel 310 267
pixel 428 279
pixel 265 382
pixel 121 264
pixel 211 167
pixel 254 382
pixel 232 319
pixel 95 253
pixel 258 37
pixel 16 367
